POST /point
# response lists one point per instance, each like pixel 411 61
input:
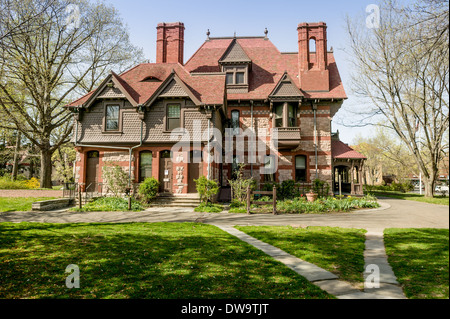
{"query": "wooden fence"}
pixel 273 202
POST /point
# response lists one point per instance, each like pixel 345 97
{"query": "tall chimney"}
pixel 313 70
pixel 170 43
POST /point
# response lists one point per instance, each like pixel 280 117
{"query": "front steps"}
pixel 171 200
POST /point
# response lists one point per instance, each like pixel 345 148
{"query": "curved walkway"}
pixel 394 213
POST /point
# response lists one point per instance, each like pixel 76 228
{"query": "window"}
pixel 269 168
pixel 285 115
pixel 291 116
pixel 234 167
pixel 235 122
pixel 240 78
pixel 145 165
pixel 300 168
pixel 279 116
pixel 173 116
pixel 112 117
pixel 236 75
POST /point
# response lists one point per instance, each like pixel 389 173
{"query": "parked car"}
pixel 441 189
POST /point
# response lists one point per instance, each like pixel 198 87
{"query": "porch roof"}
pixel 340 150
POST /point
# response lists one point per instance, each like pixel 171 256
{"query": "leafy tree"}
pixel 63 49
pixel 402 69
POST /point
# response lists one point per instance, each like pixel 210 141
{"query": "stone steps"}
pixel 170 200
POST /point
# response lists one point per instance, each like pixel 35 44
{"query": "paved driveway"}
pixel 394 213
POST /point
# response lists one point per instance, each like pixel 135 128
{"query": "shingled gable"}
pixel 286 89
pixel 119 86
pixel 235 54
pixel 173 86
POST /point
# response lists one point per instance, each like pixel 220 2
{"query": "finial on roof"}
pixel 207 34
pixel 331 50
pixel 266 32
pixel 235 34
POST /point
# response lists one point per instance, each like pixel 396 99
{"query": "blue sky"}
pixel 248 18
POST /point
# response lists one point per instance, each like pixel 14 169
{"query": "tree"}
pixel 62 50
pixel 402 68
pixel 385 155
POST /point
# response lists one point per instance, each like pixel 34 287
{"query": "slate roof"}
pixel 268 65
pixel 340 150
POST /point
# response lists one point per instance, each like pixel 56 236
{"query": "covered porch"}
pixel 347 168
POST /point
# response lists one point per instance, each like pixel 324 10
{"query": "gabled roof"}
pixel 173 86
pixel 340 150
pixel 234 54
pixel 286 88
pixel 134 83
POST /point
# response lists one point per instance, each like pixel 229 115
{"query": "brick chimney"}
pixel 170 43
pixel 313 71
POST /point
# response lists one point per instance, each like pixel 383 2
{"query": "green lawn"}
pixel 141 260
pixel 337 250
pixel 411 196
pixel 420 260
pixel 19 204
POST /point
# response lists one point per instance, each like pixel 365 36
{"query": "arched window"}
pixel 300 168
pixel 312 49
pixel 145 165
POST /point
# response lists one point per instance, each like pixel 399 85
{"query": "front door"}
pixel 165 172
pixel 195 170
pixel 92 164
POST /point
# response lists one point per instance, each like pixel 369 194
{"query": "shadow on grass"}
pixel 140 261
pixel 420 260
pixel 338 250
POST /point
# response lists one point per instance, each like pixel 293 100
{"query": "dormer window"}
pixel 236 75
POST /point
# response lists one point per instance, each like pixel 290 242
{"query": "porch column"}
pixel 352 172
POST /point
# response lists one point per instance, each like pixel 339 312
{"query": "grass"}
pixel 420 260
pixel 338 250
pixel 109 204
pixel 19 204
pixel 209 208
pixel 141 261
pixel 440 200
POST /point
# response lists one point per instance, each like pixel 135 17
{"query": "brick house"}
pixel 231 85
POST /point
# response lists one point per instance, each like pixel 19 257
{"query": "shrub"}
pixel 240 185
pixel 116 178
pixel 206 188
pixel 287 190
pixel 33 183
pixel 109 204
pixel 148 189
pixel 209 208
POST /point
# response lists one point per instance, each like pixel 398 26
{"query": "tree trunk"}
pixel 46 169
pixel 16 157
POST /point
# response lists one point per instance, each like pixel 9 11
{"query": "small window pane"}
pixel 300 162
pixel 291 116
pixel 240 78
pixel 173 123
pixel 230 78
pixel 279 116
pixel 173 110
pixel 145 169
